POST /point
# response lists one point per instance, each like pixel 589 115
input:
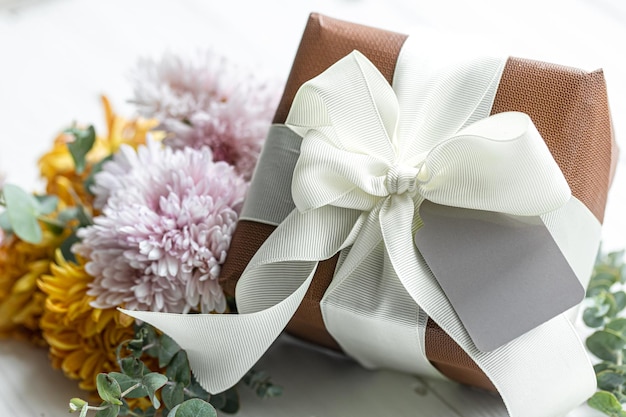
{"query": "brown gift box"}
pixel 568 106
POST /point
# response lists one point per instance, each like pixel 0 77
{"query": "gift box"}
pixel 542 371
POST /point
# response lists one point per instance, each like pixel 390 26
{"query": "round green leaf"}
pixel 609 380
pixel 592 317
pixel 46 203
pixel 193 408
pixel 172 395
pixel 77 404
pixel 178 369
pixel 232 401
pixel 195 390
pixel 22 211
pixel 607 403
pixel 80 147
pixel 167 349
pixel 108 389
pixel 605 345
pixel 618 326
pixel 126 382
pixel 153 381
pixel 5 223
pixel 620 300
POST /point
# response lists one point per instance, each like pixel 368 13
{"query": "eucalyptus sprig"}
pixel 607 301
pixel 173 392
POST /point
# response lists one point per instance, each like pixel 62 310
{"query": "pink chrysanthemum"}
pixel 207 101
pixel 164 230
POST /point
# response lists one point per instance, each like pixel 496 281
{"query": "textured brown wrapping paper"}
pixel 568 106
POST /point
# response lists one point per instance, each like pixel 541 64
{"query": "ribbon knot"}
pixel 401 179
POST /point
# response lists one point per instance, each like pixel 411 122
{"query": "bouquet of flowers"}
pixel 139 217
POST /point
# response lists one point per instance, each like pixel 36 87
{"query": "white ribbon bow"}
pixel 369 157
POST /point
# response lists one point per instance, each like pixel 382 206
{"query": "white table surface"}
pixel 57 56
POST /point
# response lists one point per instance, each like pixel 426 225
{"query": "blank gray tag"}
pixel 504 275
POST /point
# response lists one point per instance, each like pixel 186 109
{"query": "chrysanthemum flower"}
pixel 208 101
pixel 21 302
pixel 57 166
pixel 82 340
pixel 164 230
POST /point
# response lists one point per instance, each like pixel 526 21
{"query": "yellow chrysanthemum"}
pixel 57 166
pixel 82 339
pixel 21 301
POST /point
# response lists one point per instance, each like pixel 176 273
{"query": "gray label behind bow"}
pixel 504 275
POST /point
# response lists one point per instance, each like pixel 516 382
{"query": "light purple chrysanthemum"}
pixel 164 230
pixel 207 101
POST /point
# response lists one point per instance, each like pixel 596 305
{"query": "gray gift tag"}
pixel 504 275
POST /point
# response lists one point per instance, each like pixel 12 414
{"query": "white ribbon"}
pixel 369 157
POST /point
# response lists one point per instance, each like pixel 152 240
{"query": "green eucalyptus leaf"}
pixel 136 347
pixel 80 147
pixel 67 214
pixel 168 348
pixel 83 411
pixel 150 339
pixel 218 400
pixel 97 167
pixel 232 401
pixel 5 223
pixel 111 411
pixel 602 366
pixel 618 326
pixel 22 211
pixel 84 218
pixel 609 300
pixel 153 381
pixel 609 380
pixel 52 225
pixel 605 345
pixel 172 395
pixel 108 389
pixel 607 403
pixel 126 382
pixel 178 369
pixel 273 391
pixel 596 288
pixel 77 404
pixel 592 317
pixel 195 390
pixel 193 408
pixel 66 247
pixel 133 367
pixel 47 203
pixel 172 412
pixel 620 300
pixel 616 258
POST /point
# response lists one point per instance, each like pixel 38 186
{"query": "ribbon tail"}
pixel 368 311
pixel 563 371
pixel 222 348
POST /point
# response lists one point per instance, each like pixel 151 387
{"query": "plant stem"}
pixel 98 408
pixel 131 389
pixel 620 358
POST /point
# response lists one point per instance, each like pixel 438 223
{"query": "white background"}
pixel 57 56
